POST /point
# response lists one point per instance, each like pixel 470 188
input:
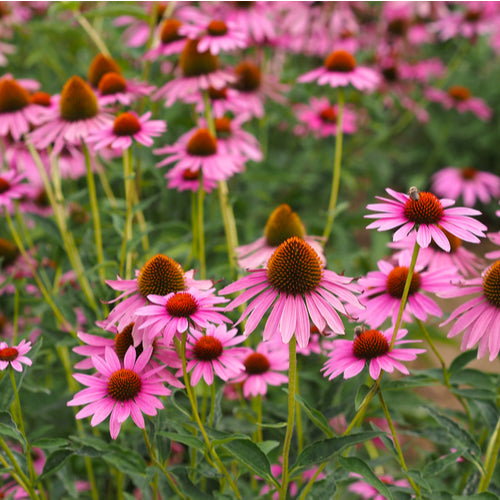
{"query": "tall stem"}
pixel 491 458
pixel 337 164
pixel 292 381
pixel 201 230
pixel 128 178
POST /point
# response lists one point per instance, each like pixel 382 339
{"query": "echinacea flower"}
pixel 11 189
pixel 372 348
pixel 468 182
pixel 114 88
pixel 170 41
pixel 368 492
pixel 282 224
pixel 213 352
pixel 14 355
pixel 427 215
pixel 120 390
pixel 297 289
pixel 340 69
pixel 127 126
pixel 479 318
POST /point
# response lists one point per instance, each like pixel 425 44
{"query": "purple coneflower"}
pixel 11 189
pixel 15 355
pixel 170 41
pixel 114 88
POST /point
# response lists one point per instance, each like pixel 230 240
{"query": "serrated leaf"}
pixel 462 360
pixel 9 428
pixel 55 461
pixel 361 394
pixel 316 417
pixel 358 466
pixel 191 441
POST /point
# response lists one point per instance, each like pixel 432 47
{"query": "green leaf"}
pixel 322 451
pixel 47 443
pixel 187 487
pixel 123 9
pixel 125 460
pixel 55 461
pixel 9 428
pixel 437 466
pixel 360 467
pixel 361 394
pixel 268 446
pixel 316 417
pixel 188 440
pixel 462 360
pixel 486 495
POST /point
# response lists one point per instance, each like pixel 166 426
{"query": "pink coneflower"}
pixel 282 224
pixel 320 117
pixel 297 290
pixel 11 189
pixel 77 115
pixel 17 111
pixel 461 99
pixel 197 151
pixel 467 182
pixel 15 355
pixel 479 318
pixel 160 275
pixel 200 70
pixel 214 352
pixel 263 367
pixel 114 88
pixel 368 492
pixel 370 347
pixel 121 391
pixel 186 179
pixel 222 101
pixel 170 41
pixel 174 313
pixel 428 215
pixel 383 291
pixel 127 126
pixel 339 70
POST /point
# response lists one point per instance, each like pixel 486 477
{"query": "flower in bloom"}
pixel 15 355
pixel 383 290
pixel 369 492
pixel 173 313
pixel 479 318
pixel 127 126
pixel 341 69
pixel 113 88
pixel 170 41
pixel 428 215
pixel 297 289
pixel 282 224
pixel 460 98
pixel 11 189
pixel 468 182
pixel 120 390
pixel 212 352
pixel 263 367
pixel 372 348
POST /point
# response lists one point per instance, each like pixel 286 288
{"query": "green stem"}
pixel 257 407
pixel 92 33
pixel 491 458
pixel 309 485
pixel 298 412
pixel 194 224
pixel 212 405
pixel 128 178
pixel 201 230
pixel 16 316
pixel 292 387
pixel 337 164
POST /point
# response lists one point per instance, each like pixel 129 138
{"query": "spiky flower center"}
pixel 8 354
pixel 217 94
pixel 427 209
pixel 4 185
pixel 340 61
pixel 248 77
pixel 217 28
pixel 123 340
pixel 126 124
pixel 124 385
pixel 41 98
pixel 283 224
pixel 370 344
pixel 194 63
pixel 207 348
pixel 223 126
pixel 328 114
pixel 12 96
pixel 256 364
pixel 469 173
pixel 202 143
pixel 294 268
pixel 459 92
pixel 170 31
pixel 181 305
pixel 160 275
pixel 78 101
pixel 396 280
pixel 455 243
pixel 191 175
pixel 491 284
pixel 99 66
pixel 112 83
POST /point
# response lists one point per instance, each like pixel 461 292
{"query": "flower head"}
pixel 114 88
pixel 427 215
pixel 15 355
pixel 11 189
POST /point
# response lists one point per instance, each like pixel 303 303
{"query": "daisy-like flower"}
pixel 126 127
pixel 197 151
pixel 297 289
pixel 170 41
pixel 370 347
pixel 11 189
pixel 479 318
pixel 383 290
pixel 160 275
pixel 120 391
pixel 77 115
pixel 222 101
pixel 428 215
pixel 282 224
pixel 114 88
pixel 100 66
pixel 173 313
pixel 320 117
pixel 368 492
pixel 263 367
pixel 461 99
pixel 213 352
pixel 468 182
pixel 15 355
pixel 340 69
